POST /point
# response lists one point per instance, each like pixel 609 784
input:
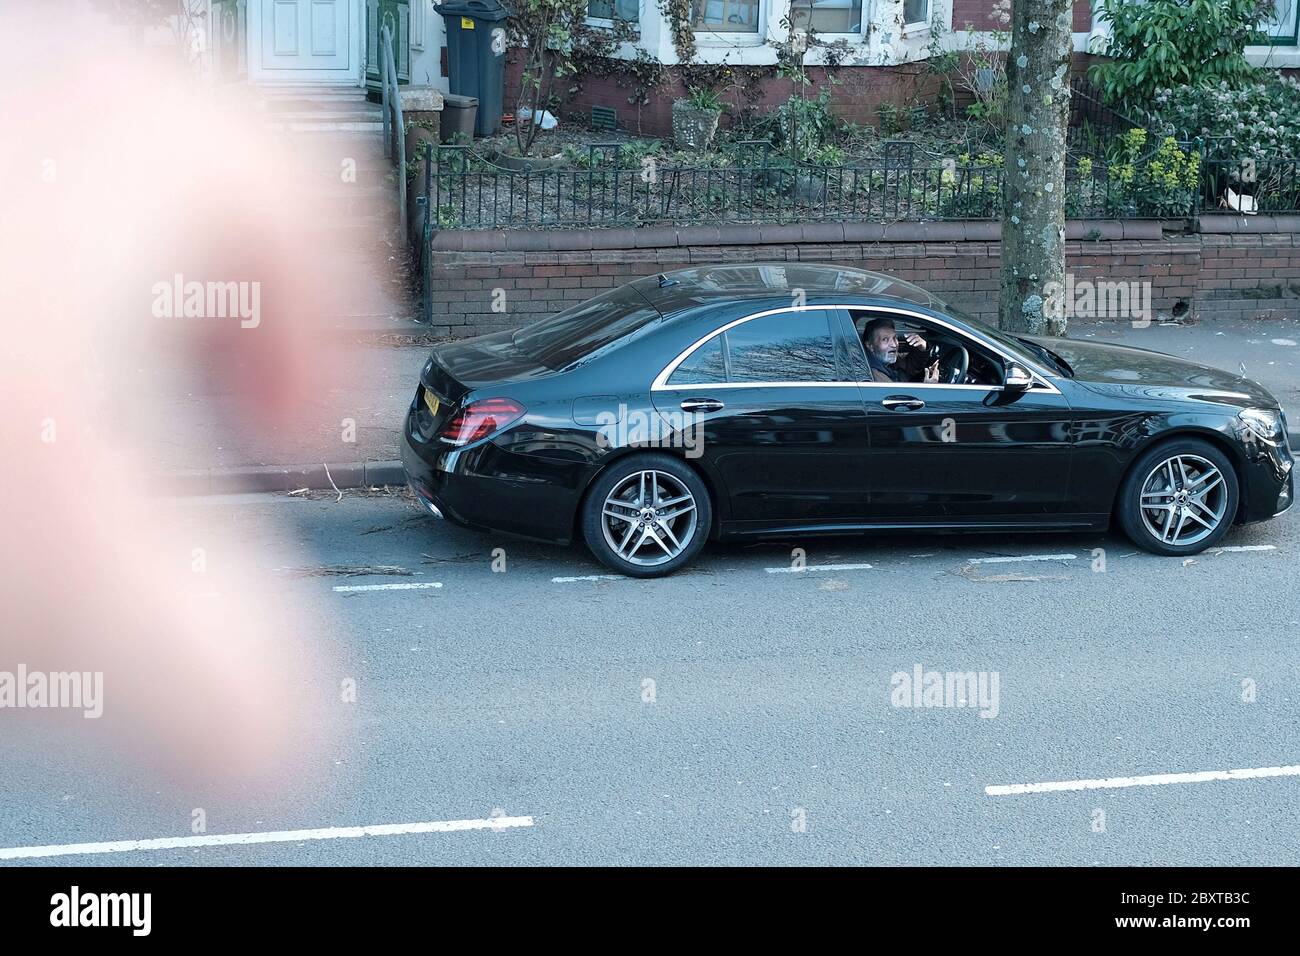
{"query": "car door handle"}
pixel 904 403
pixel 701 405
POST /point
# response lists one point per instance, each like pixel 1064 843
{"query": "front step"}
pixel 328 127
pixel 330 114
pixel 310 92
pixel 329 124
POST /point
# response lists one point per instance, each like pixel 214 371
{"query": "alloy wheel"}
pixel 649 518
pixel 1183 500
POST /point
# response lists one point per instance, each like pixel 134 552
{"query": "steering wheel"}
pixel 954 363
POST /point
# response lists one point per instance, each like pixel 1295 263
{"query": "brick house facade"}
pixel 888 43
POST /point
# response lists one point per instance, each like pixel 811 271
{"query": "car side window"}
pixel 783 347
pixel 983 368
pixel 706 365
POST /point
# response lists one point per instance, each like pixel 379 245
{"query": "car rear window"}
pixel 706 365
pixel 578 333
pixel 786 347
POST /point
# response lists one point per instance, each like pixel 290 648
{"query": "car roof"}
pixel 674 292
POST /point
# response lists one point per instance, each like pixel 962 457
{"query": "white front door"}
pixel 311 41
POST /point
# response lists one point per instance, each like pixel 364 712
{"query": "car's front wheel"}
pixel 1179 498
pixel 647 515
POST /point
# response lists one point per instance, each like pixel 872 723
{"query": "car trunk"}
pixel 456 369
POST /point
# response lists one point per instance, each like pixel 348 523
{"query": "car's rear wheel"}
pixel 1179 498
pixel 647 515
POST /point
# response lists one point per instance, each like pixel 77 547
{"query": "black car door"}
pixel 783 425
pixel 966 452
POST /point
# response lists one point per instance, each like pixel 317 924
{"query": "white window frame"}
pixel 417 23
pixel 868 19
pixel 883 41
pixel 738 38
pixel 916 26
pixel 608 22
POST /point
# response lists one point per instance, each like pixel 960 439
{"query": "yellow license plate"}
pixel 432 401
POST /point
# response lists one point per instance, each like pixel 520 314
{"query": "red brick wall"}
pixel 857 96
pixel 1231 275
pixel 859 93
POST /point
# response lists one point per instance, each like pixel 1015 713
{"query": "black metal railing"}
pixel 1093 125
pixel 468 191
pixel 1250 185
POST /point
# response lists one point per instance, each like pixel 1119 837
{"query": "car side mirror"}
pixel 1016 377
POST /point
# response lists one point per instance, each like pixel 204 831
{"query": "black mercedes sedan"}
pixel 769 400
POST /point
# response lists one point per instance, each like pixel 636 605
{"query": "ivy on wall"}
pixel 677 14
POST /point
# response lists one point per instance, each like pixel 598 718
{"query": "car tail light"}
pixel 480 419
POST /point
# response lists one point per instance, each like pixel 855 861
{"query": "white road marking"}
pixel 590 577
pixel 1247 547
pixel 246 839
pixel 1283 341
pixel 1014 558
pixel 820 567
pixel 1150 780
pixel 407 586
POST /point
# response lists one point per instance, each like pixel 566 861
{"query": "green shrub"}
pixel 1166 43
pixel 1257 119
pixel 803 127
pixel 703 98
pixel 1161 183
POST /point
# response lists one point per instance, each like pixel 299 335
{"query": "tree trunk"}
pixel 1033 204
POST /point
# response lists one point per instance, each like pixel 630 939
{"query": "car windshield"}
pixel 1048 356
pixel 1014 343
pixel 576 334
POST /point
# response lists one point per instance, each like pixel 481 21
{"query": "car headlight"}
pixel 1265 423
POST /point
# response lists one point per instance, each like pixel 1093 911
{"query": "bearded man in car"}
pixel 880 339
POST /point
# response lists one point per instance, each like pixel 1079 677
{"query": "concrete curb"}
pixel 262 478
pixel 355 474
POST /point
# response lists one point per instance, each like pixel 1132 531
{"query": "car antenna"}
pixel 664 281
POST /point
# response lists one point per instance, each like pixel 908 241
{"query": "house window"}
pixel 827 16
pixel 725 16
pixel 916 11
pixel 629 10
pixel 1280 24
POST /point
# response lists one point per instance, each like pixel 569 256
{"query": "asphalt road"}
pixel 768 734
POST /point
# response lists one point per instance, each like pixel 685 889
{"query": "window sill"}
pixel 1274 57
pixel 603 23
pixel 854 38
pixel 703 38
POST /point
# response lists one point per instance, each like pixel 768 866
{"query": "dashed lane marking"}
pixel 275 836
pixel 1149 780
